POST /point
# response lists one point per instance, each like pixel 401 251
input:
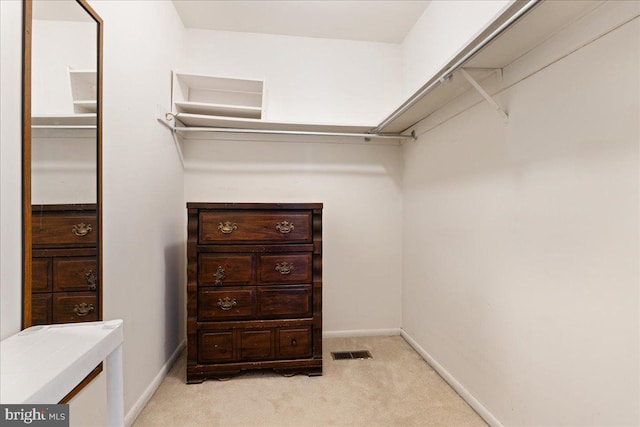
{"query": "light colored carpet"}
pixel 395 388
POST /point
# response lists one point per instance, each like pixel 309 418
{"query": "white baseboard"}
pixel 453 382
pixel 361 333
pixel 148 393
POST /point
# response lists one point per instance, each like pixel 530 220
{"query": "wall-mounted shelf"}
pixel 197 120
pixel 218 96
pixel 84 90
pixel 64 126
pixel 521 27
pixel 240 111
pixel 82 107
pixel 205 104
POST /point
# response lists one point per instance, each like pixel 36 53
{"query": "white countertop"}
pixel 42 364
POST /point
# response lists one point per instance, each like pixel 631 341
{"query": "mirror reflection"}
pixel 64 101
pixel 64 182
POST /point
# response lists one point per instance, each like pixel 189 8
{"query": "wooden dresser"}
pixel 65 268
pixel 254 290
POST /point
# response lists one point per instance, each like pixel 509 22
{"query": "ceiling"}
pixel 377 21
pixel 59 10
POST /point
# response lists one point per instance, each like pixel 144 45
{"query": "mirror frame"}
pixel 27 16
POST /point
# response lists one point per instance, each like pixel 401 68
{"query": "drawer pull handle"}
pixel 219 275
pixel 284 267
pixel 91 279
pixel 227 227
pixel 294 342
pixel 83 309
pixel 284 227
pixel 227 303
pixel 82 229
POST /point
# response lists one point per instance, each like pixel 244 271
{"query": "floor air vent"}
pixel 342 355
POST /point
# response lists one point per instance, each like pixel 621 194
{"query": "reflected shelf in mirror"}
pixel 64 126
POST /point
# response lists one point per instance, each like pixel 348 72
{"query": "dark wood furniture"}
pixel 254 290
pixel 64 265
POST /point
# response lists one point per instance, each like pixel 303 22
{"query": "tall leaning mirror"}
pixel 62 141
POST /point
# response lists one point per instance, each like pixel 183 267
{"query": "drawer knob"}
pixel 227 227
pixel 219 275
pixel 284 227
pixel 81 229
pixel 284 267
pixel 91 280
pixel 83 309
pixel 227 303
pixel 294 342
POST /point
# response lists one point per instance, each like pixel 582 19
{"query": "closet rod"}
pixel 293 132
pixel 455 65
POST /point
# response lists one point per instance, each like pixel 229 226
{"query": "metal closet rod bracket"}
pixel 483 92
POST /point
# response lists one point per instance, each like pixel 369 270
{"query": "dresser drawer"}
pixel 41 309
pixel 215 346
pixel 41 275
pixel 247 227
pixel 75 274
pixel 255 344
pixel 225 269
pixel 294 342
pixel 234 345
pixel 284 268
pixel 75 307
pixel 227 304
pixel 64 229
pixel 284 301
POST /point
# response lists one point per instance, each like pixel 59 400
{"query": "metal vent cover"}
pixel 356 354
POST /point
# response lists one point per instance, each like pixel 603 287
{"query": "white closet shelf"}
pixel 84 90
pixel 203 121
pixel 64 126
pixel 90 106
pixel 520 28
pixel 64 120
pixel 215 83
pixel 242 111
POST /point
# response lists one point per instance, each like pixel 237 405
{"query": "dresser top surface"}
pixel 253 206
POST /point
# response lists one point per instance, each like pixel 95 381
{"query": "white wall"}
pixel 10 168
pixel 56 47
pixel 142 189
pixel 521 242
pixel 444 28
pixel 307 79
pixel 360 188
pixel 63 170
